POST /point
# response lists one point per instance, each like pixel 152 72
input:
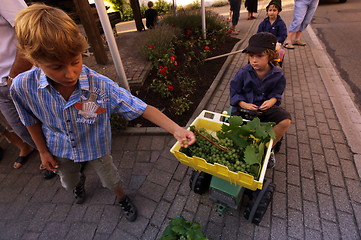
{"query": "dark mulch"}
pixel 206 74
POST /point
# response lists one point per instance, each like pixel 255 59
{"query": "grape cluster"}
pixel 212 154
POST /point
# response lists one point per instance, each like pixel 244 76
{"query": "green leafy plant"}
pixel 240 145
pixel 181 229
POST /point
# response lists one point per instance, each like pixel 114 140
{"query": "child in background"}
pixel 151 16
pixel 67 107
pixel 259 86
pixel 275 25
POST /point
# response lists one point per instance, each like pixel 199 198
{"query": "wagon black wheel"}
pixel 199 182
pixel 258 203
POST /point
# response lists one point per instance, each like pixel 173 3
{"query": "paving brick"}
pixel 349 169
pixel 311 234
pixel 202 215
pixel 302 137
pixel 81 230
pixel 327 141
pixel 150 233
pixel 131 143
pixel 41 218
pixel 311 122
pixel 143 156
pixel 330 230
pixel 322 183
pixel 159 177
pixel 354 189
pixel 171 190
pixel 311 215
pixel 327 209
pixel 261 233
pixel 304 150
pixel 300 121
pixel 166 164
pixel 76 213
pixel 295 224
pixel 294 199
pixel 177 206
pixel 13 230
pixel 331 157
pixel 154 156
pixel 338 136
pixel 128 159
pixel 192 202
pixel 158 143
pixel 323 128
pixel 184 188
pixel 134 228
pixel 357 212
pixel 293 175
pixel 336 177
pixel 109 219
pixel 246 229
pixel 279 205
pixel 230 228
pixel 30 236
pixel 343 151
pixel 280 180
pixel 308 189
pixel 55 230
pixel 214 231
pixel 180 172
pixel 292 156
pixel 142 168
pixel 306 168
pixel 316 146
pixel 136 182
pixel 281 161
pixel 279 229
pixel 188 215
pixel 160 213
pixel 145 206
pixel 348 226
pixel 320 117
pixel 319 163
pixel 152 190
pixel 144 143
pixel 121 234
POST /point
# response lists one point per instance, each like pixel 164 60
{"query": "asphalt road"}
pixel 338 26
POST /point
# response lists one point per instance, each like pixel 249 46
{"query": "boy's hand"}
pixel 248 106
pixel 185 137
pixel 268 104
pixel 48 162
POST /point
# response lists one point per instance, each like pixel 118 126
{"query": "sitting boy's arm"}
pixel 184 136
pixel 47 160
pixel 268 104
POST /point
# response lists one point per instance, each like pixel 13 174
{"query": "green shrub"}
pixel 220 3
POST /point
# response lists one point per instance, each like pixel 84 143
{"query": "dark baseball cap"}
pixel 260 42
pixel 277 3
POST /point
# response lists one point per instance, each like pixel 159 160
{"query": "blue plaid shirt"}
pixel 77 129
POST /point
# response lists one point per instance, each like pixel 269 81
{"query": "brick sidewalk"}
pixel 318 193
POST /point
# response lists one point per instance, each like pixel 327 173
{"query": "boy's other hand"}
pixel 185 137
pixel 248 106
pixel 48 162
pixel 268 104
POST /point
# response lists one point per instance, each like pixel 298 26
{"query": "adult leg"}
pixel 236 7
pixel 299 13
pixel 309 14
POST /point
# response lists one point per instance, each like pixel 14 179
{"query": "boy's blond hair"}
pixel 48 34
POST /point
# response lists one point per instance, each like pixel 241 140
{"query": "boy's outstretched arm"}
pixel 185 137
pixel 47 160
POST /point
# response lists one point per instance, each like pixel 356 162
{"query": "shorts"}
pixel 69 172
pixel 275 114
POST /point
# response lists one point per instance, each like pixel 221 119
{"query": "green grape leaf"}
pixel 252 155
pixel 254 170
pixel 178 229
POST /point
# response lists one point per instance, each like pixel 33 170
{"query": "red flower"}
pixel 150 47
pixel 160 67
pixel 170 88
pixel 163 71
pixel 206 48
pixel 173 25
pixel 175 63
pixel 172 58
pixel 166 68
pixel 188 32
pixel 170 50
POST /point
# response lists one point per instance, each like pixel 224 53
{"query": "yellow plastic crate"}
pixel 212 122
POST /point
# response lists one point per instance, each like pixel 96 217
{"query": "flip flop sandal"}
pixel 22 160
pixel 299 43
pixel 288 46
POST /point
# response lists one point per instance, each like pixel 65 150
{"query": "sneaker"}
pixel 130 211
pixel 271 161
pixel 79 191
pixel 49 174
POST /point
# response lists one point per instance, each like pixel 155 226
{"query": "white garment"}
pixel 8 11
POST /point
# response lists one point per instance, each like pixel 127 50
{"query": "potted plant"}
pixel 181 229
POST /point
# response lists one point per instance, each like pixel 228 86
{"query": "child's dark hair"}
pixel 276 6
pixel 150 4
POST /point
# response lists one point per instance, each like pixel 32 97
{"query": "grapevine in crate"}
pixel 239 145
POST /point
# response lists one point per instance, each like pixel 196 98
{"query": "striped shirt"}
pixel 77 129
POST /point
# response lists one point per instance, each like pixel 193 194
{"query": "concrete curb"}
pixel 340 98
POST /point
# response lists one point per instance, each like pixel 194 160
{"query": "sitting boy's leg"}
pixel 110 178
pixel 280 129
